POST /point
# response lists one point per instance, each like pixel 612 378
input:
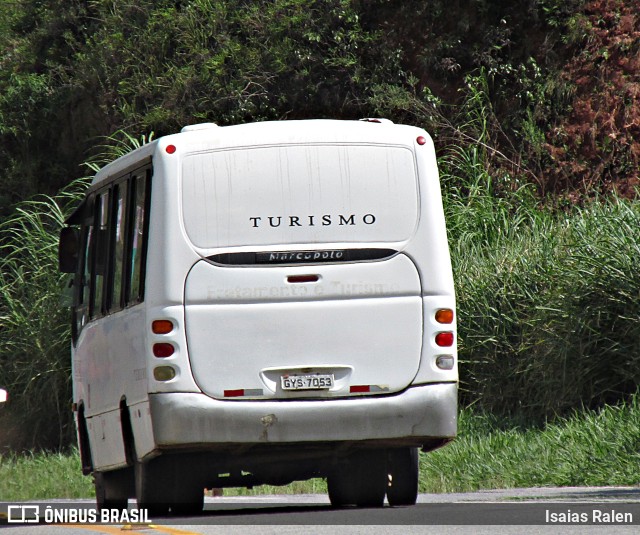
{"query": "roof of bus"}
pixel 210 136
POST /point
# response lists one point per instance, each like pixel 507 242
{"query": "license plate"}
pixel 306 382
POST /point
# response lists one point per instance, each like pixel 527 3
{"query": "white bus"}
pixel 259 304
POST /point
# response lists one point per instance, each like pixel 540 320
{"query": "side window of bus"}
pixel 139 232
pixel 99 254
pixel 116 248
pixel 118 256
pixel 84 284
pixel 81 282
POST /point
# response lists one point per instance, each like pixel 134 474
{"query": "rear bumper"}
pixel 416 416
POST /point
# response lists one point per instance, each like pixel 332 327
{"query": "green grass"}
pixel 35 365
pixel 548 312
pixel 590 448
pixel 42 476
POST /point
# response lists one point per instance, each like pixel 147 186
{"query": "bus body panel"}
pixel 360 323
pixel 110 362
pixel 110 365
pixel 141 425
pixel 340 339
pixel 412 417
pixel 106 438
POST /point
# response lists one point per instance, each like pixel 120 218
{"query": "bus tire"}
pixel 188 497
pixel 372 477
pixel 190 503
pixel 112 488
pixel 342 491
pixel 84 444
pixel 152 489
pixel 403 476
pixel 361 481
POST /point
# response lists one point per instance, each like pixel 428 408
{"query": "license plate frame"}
pixel 307 381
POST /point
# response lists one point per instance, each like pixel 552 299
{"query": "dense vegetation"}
pixel 533 105
pixel 561 76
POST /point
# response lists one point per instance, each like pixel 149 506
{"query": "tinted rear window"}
pixel 299 194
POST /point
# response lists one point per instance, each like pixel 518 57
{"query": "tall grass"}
pixel 35 365
pixel 591 448
pixel 43 475
pixel 549 315
pixel 34 340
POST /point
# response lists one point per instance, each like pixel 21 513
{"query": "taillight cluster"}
pixel 444 316
pixel 163 350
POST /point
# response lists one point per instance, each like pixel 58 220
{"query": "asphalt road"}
pixel 530 511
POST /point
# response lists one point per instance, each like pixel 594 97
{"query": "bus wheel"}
pixel 342 490
pixel 403 476
pixel 113 488
pixel 152 488
pixel 188 494
pixel 361 481
pixel 188 499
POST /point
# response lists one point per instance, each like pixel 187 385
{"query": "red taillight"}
pixel 170 149
pixel 444 339
pixel 358 389
pixel 162 326
pixel 296 279
pixel 234 393
pixel 421 140
pixel 163 350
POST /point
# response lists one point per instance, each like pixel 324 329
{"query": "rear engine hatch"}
pixel 330 330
